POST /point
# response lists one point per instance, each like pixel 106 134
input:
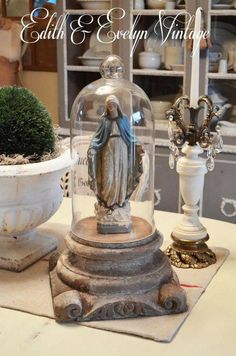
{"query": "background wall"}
pixel 45 86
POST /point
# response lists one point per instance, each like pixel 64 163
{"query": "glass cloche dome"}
pixel 112 145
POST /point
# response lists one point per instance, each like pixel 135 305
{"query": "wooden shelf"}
pixel 64 131
pixel 85 12
pixel 79 68
pixel 227 76
pixel 231 12
pixel 157 72
pixel 155 12
pixel 145 12
pixel 160 125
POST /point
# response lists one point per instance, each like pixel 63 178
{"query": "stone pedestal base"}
pixel 18 253
pixel 114 276
pixel 190 254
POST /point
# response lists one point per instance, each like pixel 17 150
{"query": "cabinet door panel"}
pixel 219 200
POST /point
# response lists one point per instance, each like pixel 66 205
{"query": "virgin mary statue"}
pixel 114 168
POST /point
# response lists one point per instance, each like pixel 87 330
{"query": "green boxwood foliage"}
pixel 25 124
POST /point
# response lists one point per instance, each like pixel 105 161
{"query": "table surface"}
pixel 209 329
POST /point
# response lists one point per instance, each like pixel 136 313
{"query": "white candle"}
pixel 194 92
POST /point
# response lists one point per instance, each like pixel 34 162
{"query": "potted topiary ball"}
pixel 32 163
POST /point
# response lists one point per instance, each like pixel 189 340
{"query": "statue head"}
pixel 112 106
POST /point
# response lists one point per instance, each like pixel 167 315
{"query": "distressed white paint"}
pixel 29 195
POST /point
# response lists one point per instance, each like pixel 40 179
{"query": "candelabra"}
pixel 189 248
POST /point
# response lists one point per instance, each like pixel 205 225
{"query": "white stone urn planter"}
pixel 29 195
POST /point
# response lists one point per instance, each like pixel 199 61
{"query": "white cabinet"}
pixel 161 84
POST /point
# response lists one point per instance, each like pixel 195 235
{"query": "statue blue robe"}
pixel 114 161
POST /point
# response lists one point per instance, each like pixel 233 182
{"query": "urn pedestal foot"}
pixel 187 254
pixel 101 278
pixel 17 253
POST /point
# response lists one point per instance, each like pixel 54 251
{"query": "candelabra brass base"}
pixel 187 254
pixel 114 276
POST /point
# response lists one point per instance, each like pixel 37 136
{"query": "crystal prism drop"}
pixel 171 161
pixel 218 143
pixel 210 164
pixel 176 153
pixel 172 146
pixel 170 131
pixel 209 151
